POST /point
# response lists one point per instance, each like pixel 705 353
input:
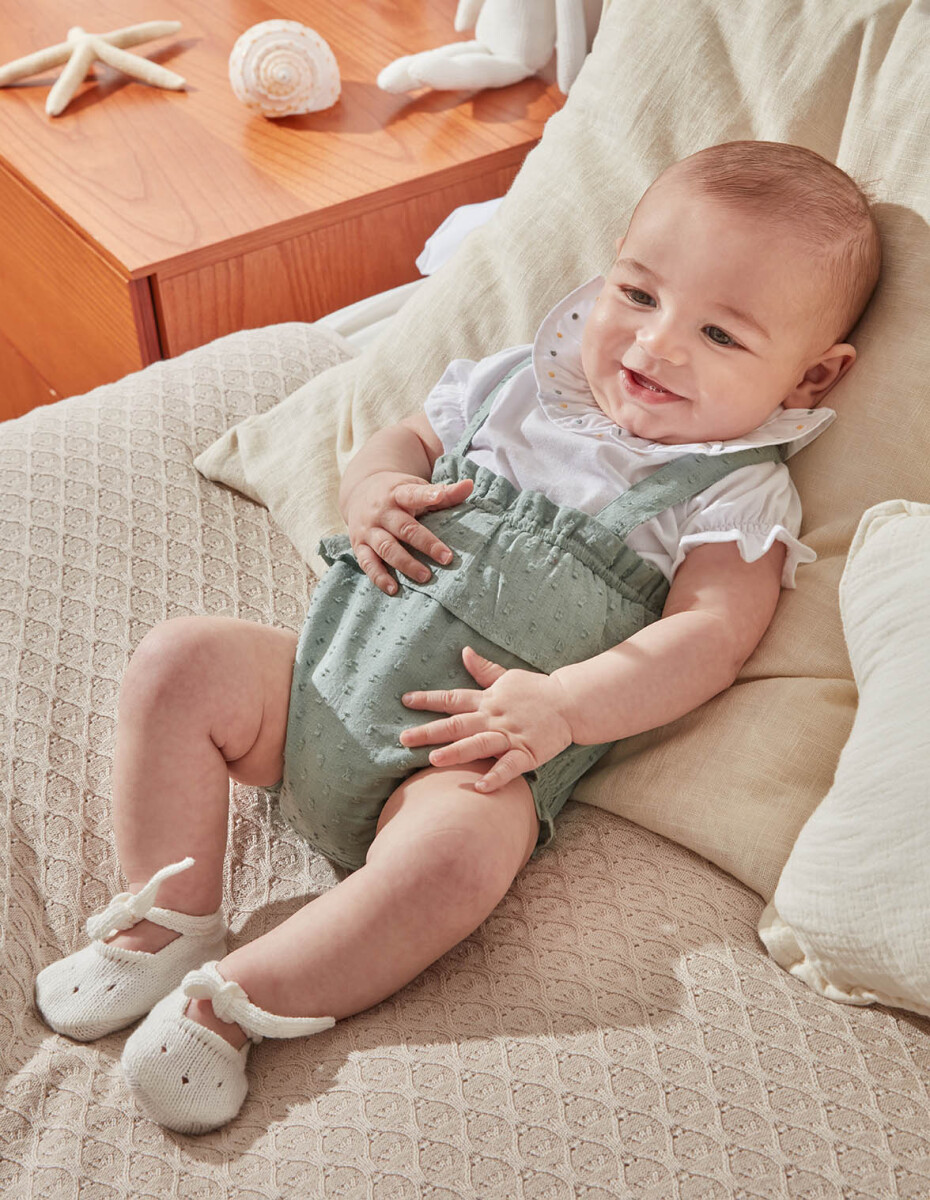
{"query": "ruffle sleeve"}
pixel 445 405
pixel 755 507
pixel 462 389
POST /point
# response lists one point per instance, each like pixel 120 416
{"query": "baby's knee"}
pixel 446 870
pixel 457 840
pixel 170 655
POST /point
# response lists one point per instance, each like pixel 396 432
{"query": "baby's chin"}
pixel 659 425
pixel 678 435
pixel 687 428
pixel 699 437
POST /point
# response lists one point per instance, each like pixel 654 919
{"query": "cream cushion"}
pixel 737 779
pixel 850 913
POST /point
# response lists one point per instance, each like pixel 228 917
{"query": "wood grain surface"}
pixel 63 306
pixel 158 177
pixel 311 274
pixel 22 387
pixel 141 223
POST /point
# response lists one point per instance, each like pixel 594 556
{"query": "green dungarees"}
pixel 531 584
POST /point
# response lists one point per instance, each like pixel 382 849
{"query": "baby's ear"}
pixel 821 376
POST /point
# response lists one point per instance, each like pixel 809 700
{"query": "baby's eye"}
pixel 718 337
pixel 638 297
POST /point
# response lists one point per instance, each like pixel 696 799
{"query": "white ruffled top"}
pixel 545 432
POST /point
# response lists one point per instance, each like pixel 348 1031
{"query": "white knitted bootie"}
pixel 184 1075
pixel 104 987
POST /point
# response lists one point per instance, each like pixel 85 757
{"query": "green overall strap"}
pixel 671 484
pixel 479 418
pixel 675 482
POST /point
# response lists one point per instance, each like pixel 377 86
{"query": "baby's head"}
pixel 743 271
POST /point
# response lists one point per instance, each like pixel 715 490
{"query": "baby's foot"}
pixel 152 938
pixel 202 1012
pixel 143 936
pixel 118 978
pixel 191 1083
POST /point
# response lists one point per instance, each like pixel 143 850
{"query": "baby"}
pixel 574 542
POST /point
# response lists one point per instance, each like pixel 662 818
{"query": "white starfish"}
pixel 80 52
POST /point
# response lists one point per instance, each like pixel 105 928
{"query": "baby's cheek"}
pixel 590 347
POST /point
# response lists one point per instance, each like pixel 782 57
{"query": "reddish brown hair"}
pixel 814 199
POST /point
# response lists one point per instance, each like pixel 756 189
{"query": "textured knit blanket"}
pixel 613 1029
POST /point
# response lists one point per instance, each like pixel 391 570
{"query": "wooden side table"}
pixel 142 222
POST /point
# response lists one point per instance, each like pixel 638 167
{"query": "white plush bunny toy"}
pixel 513 40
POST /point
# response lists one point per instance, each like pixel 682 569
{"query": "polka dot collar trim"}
pixel 566 399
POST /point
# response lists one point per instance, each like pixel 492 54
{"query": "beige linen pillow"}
pixel 736 780
pixel 850 914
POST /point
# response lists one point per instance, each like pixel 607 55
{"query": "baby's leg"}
pixel 443 858
pixel 203 699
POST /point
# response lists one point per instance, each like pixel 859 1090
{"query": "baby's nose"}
pixel 660 340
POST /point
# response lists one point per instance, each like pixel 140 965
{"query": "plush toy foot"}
pixel 102 988
pixel 461 65
pixel 185 1076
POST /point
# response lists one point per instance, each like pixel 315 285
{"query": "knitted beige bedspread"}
pixel 614 1029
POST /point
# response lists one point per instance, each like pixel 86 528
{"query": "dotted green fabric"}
pixel 531 584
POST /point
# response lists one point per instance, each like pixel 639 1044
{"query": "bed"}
pixel 616 1027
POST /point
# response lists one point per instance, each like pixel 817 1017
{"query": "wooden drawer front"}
pixel 304 277
pixel 64 309
pixel 21 385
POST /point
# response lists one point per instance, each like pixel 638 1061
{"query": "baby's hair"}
pixel 814 199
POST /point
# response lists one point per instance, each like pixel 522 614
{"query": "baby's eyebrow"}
pixel 736 314
pixel 637 266
pixel 744 318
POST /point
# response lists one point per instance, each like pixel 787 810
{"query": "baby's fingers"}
pixel 408 531
pixel 453 493
pixel 446 729
pixel 374 568
pixel 429 497
pixel 414 499
pixel 488 744
pixel 385 549
pixel 509 766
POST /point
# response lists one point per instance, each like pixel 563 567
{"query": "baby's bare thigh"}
pixel 439 808
pixel 232 675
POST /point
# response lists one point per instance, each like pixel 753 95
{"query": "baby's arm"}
pixel 384 488
pixel 717 610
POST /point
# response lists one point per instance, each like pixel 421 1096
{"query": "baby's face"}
pixel 707 322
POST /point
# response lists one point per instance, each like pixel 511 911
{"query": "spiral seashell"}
pixel 281 68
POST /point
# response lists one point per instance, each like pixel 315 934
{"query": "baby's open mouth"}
pixel 639 384
pixel 645 381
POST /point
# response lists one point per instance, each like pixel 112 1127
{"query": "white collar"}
pixel 566 398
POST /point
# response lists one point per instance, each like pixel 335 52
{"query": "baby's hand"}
pixel 381 515
pixel 516 719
